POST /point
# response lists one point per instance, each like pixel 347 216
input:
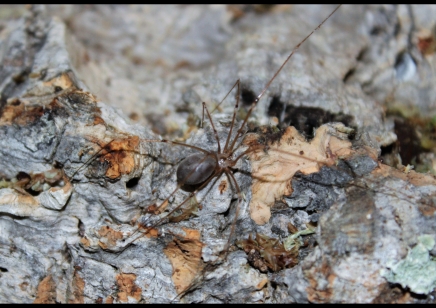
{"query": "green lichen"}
pixel 418 270
pixel 294 240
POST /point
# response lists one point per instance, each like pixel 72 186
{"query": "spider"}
pixel 197 170
pixel 205 167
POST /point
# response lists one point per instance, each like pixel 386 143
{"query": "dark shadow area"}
pixel 305 119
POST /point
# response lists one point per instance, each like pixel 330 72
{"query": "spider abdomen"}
pixel 196 168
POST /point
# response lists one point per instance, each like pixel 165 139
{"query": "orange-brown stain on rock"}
pixel 316 293
pixel 223 186
pixel 61 82
pixel 120 154
pixel 127 287
pixel 261 284
pixel 426 42
pixel 46 292
pixel 427 209
pixel 10 111
pixel 184 253
pixel 19 200
pixel 23 286
pixel 78 285
pixel 85 241
pixel 111 236
pixel 98 120
pixel 153 232
pixel 420 179
pixel 415 178
pixel 389 294
pixel 109 300
pixel 19 114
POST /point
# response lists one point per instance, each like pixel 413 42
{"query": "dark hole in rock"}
pixel 133 182
pixel 348 75
pixel 33 192
pixel 408 142
pixel 247 97
pixel 305 119
pixel 227 213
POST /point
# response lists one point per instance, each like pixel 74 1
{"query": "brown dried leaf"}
pixel 184 254
pixel 272 171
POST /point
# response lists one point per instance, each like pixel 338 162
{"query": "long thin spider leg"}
pixel 261 178
pixel 177 143
pixel 275 75
pixel 117 150
pixel 239 144
pixel 192 194
pixel 253 149
pixel 211 265
pixel 237 82
pixel 262 147
pixel 213 127
pixel 90 160
pixel 179 185
pixel 240 198
pixel 235 110
pixel 202 117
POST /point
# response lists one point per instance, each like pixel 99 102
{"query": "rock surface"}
pixel 87 92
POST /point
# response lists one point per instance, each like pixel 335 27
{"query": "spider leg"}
pixel 165 202
pixel 235 110
pixel 213 127
pixel 238 206
pixel 254 103
pixel 90 159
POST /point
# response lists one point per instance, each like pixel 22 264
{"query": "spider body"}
pixel 196 168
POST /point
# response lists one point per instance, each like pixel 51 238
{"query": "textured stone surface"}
pixel 74 79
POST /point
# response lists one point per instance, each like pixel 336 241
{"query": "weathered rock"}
pixel 79 238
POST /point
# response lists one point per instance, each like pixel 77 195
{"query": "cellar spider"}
pixel 205 167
